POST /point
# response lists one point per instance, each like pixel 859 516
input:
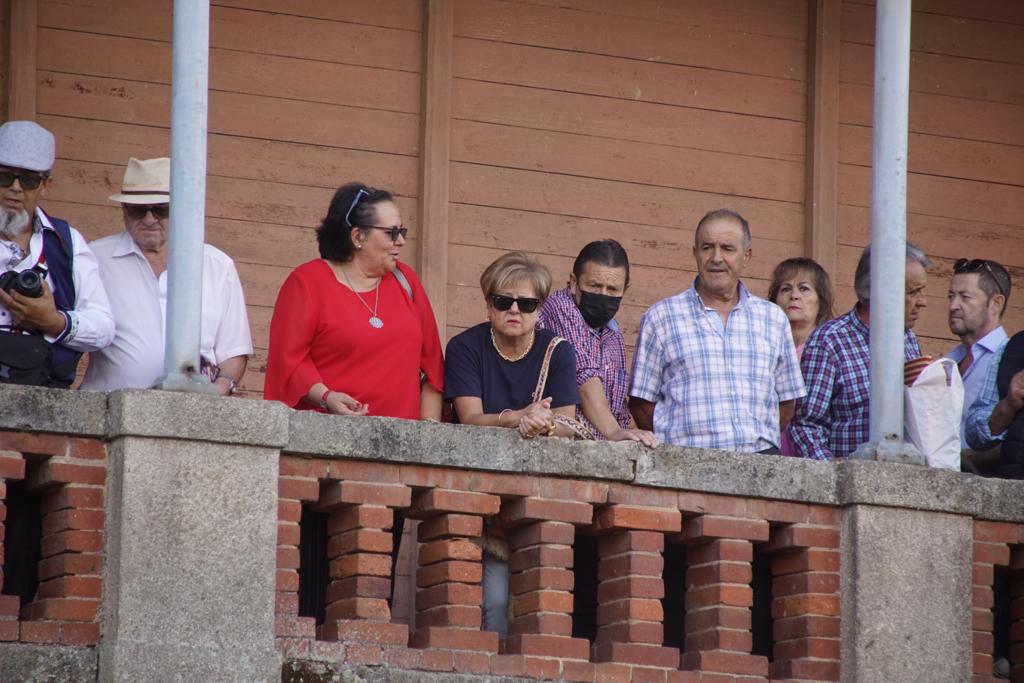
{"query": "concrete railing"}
pixel 188 508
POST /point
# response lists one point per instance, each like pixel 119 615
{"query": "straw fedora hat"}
pixel 146 181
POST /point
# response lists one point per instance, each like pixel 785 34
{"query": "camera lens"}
pixel 29 283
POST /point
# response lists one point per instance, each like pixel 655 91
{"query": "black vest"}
pixel 1011 456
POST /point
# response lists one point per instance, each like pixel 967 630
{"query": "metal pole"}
pixel 889 225
pixel 189 77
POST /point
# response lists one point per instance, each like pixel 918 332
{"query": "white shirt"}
pixel 138 298
pixel 91 324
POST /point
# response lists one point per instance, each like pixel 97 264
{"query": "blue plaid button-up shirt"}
pixel 716 385
pixel 831 421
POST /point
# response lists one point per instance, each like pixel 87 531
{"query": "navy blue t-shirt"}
pixel 472 367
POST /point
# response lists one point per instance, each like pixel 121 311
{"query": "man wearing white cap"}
pixel 52 303
pixel 133 265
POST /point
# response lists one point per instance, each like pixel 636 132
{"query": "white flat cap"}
pixel 26 144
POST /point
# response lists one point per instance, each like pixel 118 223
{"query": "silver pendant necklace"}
pixel 375 322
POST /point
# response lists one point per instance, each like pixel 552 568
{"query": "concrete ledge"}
pixel 310 671
pixel 34 409
pixel 197 417
pixel 484 448
pixel 47 663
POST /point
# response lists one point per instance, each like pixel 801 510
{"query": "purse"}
pixel 579 429
pixel 24 358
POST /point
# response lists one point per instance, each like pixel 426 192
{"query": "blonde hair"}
pixel 516 266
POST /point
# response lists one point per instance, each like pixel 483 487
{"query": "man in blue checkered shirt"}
pixel 714 365
pixel 832 420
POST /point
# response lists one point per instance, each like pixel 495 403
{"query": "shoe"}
pixel 1001 668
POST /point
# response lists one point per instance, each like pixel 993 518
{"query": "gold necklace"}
pixel 520 356
pixel 375 321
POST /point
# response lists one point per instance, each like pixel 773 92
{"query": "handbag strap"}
pixel 542 378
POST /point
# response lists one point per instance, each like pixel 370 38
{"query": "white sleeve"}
pixel 233 335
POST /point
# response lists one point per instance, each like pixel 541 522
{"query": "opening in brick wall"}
pixel 585 559
pixel 674 603
pixel 313 564
pixel 761 611
pixel 22 542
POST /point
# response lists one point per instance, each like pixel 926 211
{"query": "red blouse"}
pixel 320 332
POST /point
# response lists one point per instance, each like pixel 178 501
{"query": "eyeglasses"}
pixel 355 202
pixel 393 231
pixel 28 181
pixel 503 303
pixel 975 265
pixel 137 212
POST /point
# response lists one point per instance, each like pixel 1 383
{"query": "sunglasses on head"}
pixel 503 303
pixel 137 212
pixel 976 265
pixel 28 181
pixel 393 231
pixel 360 194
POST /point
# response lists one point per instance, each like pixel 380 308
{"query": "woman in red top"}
pixel 353 330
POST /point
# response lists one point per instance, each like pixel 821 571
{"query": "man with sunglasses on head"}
pixel 53 306
pixel 133 265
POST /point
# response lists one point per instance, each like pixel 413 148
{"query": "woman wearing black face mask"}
pixel 584 313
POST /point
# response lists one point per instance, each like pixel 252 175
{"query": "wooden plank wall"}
pixel 303 97
pixel 966 161
pixel 4 47
pixel 576 120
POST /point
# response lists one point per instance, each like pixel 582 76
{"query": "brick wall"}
pixel 997 546
pixel 68 475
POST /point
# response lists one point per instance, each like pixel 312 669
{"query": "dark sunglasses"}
pixel 394 231
pixel 503 303
pixel 355 202
pixel 28 181
pixel 976 265
pixel 138 211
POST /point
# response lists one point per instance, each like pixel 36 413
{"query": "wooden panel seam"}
pixel 21 64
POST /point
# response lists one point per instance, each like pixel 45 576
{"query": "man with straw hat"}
pixel 133 265
pixel 52 303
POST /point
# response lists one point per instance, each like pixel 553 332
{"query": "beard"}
pixel 13 224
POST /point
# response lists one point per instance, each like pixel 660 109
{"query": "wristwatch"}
pixel 232 384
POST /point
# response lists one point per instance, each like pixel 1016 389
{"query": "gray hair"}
pixel 719 214
pixel 862 278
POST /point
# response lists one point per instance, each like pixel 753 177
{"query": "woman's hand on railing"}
pixel 537 420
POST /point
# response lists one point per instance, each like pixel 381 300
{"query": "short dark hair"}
pixel 992 280
pixel 334 236
pixel 602 252
pixel 822 284
pixel 719 214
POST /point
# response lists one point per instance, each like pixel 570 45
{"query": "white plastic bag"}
pixel 933 407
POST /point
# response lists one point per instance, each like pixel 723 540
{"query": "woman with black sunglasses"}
pixel 353 332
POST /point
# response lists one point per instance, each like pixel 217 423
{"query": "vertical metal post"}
pixel 189 77
pixel 889 225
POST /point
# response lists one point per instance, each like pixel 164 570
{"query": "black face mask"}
pixel 598 309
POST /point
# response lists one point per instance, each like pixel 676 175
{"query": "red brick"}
pixel 449 549
pixel 542 577
pixel 363 654
pixel 541 533
pixel 287 557
pixel 643 674
pixel 982 597
pixel 778 510
pixel 982 574
pixel 455 571
pixel 52 444
pixel 471 662
pixel 72 520
pixel 982 640
pixel 63 609
pixel 443 501
pixel 648 632
pixel 455 639
pixel 359 631
pixel 796 605
pixel 542 667
pixel 726 662
pixel 573 670
pixel 541 509
pixel 338 493
pixel 733 595
pixel 360 517
pixel 358 608
pixel 631 587
pixel 508 665
pixel 463 616
pixel 710 503
pixel 286 580
pixel 704 527
pixel 638 517
pixel 288 533
pixel 805 669
pixel 10 605
pixel 295 466
pixel 641 654
pixel 610 672
pixel 628 540
pixel 806 626
pixel 825 516
pixel 40 632
pixel 70 563
pixel 542 645
pixel 572 489
pixel 296 488
pixel 808 648
pixel 70 587
pixel 997 532
pixel 449 594
pixel 358 587
pixel 542 601
pixel 816 582
pixel 54 473
pixel 630 609
pixel 403 658
pixel 72 496
pixel 723 550
pixel 12 466
pixel 624 494
pixel 10 630
pixel 286 603
pixel 551 623
pixel 630 564
pixel 294 627
pixel 802 536
pixel 541 556
pixel 365 471
pixel 719 572
pixel 464 526
pixel 697 620
pixel 428 477
pixel 994 553
pixel 289 510
pixel 982 619
pixel 359 541
pixel 72 541
pixel 805 561
pixel 360 564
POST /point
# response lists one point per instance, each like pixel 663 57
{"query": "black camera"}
pixel 27 283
